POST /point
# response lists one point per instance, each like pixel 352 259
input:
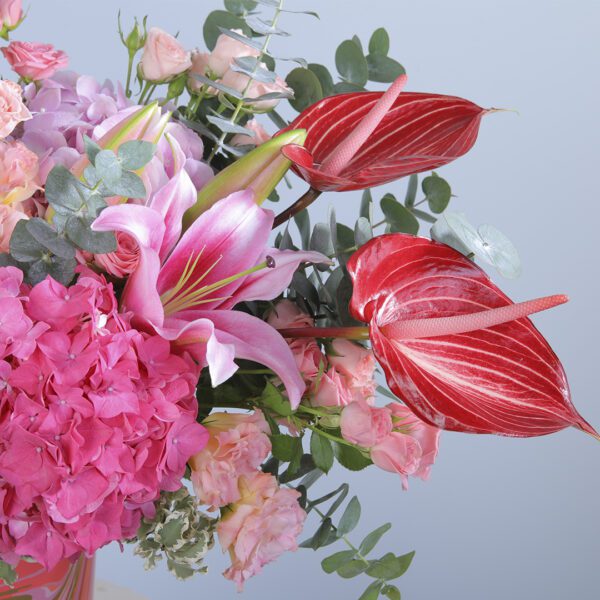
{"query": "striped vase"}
pixel 67 581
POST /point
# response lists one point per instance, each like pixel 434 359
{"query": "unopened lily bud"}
pixel 260 171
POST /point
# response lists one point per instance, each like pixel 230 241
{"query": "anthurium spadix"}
pixel 260 171
pixel 185 286
pixel 364 139
pixel 453 347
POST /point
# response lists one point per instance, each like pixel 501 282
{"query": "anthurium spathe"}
pixel 364 139
pixel 184 287
pixel 456 349
pixel 260 171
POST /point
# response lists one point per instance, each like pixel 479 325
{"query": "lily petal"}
pixel 255 340
pixel 226 240
pixel 171 201
pixel 269 283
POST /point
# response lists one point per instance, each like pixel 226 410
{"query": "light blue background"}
pixel 500 518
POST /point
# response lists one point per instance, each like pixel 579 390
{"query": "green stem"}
pixel 330 436
pixel 303 202
pixel 129 72
pixel 254 372
pixel 240 102
pixel 349 333
pixel 144 92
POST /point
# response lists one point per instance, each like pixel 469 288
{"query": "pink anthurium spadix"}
pixel 365 139
pixel 184 286
pixel 457 350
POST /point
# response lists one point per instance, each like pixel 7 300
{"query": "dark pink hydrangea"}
pixel 96 418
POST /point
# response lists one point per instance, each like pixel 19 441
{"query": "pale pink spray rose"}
pixel 260 135
pixel 199 67
pixel 124 260
pixel 261 526
pixel 34 61
pixel 365 425
pixel 163 57
pixel 410 449
pixel 11 13
pixel 226 50
pixel 307 354
pixel 238 445
pixel 357 365
pixel 19 169
pixel 12 109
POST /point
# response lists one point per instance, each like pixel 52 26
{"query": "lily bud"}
pixel 260 171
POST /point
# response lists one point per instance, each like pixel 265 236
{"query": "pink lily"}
pixel 185 286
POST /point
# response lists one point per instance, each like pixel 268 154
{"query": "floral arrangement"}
pixel 173 373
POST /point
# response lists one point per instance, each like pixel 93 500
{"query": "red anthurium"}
pixel 456 349
pixel 365 139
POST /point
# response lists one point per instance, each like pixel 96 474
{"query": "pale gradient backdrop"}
pixel 500 518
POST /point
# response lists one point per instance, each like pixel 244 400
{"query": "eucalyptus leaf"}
pixel 99 242
pixel 437 191
pixel 324 77
pixel 108 167
pixel 306 86
pixel 135 154
pixel 350 518
pixel 321 241
pixel 390 566
pixel 256 44
pixel 352 569
pixel 335 561
pixel 383 69
pixel 219 20
pixel 240 7
pixel 63 191
pixel 366 205
pixel 362 231
pixel 351 64
pixel 61 269
pixel 91 148
pixel 263 27
pixel 372 592
pixel 302 220
pixel 379 42
pixel 129 185
pixel 23 246
pixel 373 538
pixel 411 191
pixel 249 65
pixel 217 85
pixel 45 234
pixel 391 592
pixel 345 87
pixel 226 125
pixel 398 216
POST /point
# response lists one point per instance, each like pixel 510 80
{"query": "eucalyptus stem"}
pixel 240 101
pixel 303 202
pixel 344 538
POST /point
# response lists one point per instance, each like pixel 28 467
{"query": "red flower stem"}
pixel 303 202
pixel 349 333
pixel 436 327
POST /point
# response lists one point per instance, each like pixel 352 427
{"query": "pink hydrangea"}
pixel 237 446
pixel 261 526
pixel 96 418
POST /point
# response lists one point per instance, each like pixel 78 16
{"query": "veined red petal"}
pixel 421 132
pixel 503 379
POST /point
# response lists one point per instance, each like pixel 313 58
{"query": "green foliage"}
pixel 306 86
pixel 274 400
pixel 41 249
pixel 399 218
pixel 7 574
pixel 379 42
pixel 351 63
pixel 437 191
pixel 322 451
pixel 179 532
pixel 221 19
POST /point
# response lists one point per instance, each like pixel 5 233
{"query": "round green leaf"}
pixel 351 64
pixel 383 69
pixel 307 88
pixel 372 592
pixel 335 561
pixel 379 42
pixel 401 220
pixel 324 77
pixel 437 192
pixel 345 87
pixel 222 18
